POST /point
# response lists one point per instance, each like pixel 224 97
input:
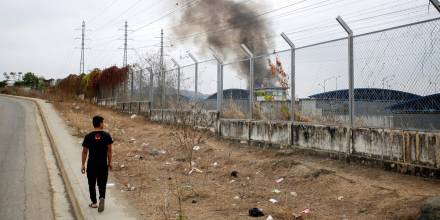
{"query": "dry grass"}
pixel 163 188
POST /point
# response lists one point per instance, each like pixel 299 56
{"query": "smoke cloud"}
pixel 225 24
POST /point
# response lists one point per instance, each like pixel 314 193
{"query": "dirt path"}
pixel 148 162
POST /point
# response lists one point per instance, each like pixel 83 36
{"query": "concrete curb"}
pixel 69 189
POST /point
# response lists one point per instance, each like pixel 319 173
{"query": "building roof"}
pixel 426 104
pixel 368 95
pixel 232 94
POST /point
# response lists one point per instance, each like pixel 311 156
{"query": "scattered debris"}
pixel 234 174
pixel 276 191
pixel 232 181
pixel 122 166
pixel 279 180
pixel 194 169
pixel 363 210
pixel 294 194
pixel 306 211
pixel 132 188
pixel 133 116
pixel 273 201
pixel 269 217
pixel 215 164
pixel 340 198
pixel 132 140
pixel 144 145
pixel 255 212
pixel 196 148
pixel 236 197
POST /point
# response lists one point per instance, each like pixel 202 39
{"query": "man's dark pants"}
pixel 99 175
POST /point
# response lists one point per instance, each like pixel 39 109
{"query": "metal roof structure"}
pixel 367 94
pixel 427 104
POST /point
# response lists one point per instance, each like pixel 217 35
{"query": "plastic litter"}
pixel 236 197
pixel 255 212
pixel 215 164
pixel 195 170
pixel 340 198
pixel 273 201
pixel 234 174
pixel 196 148
pixel 133 116
pixel 276 191
pixel 269 217
pixel 279 180
pixel 293 194
pixel 306 211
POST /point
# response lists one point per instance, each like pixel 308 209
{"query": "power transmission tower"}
pixel 83 33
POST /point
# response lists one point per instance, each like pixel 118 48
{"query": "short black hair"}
pixel 97 120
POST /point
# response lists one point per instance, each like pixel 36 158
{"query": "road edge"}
pixel 69 189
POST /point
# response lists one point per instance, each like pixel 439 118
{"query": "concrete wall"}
pixel 407 148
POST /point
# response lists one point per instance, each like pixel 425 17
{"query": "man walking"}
pixel 98 146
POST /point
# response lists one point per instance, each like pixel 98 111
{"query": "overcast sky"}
pixel 39 35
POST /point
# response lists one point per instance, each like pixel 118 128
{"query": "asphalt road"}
pixel 25 190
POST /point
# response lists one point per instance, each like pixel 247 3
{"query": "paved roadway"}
pixel 25 191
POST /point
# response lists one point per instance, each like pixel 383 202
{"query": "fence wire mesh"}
pixel 397 77
pixel 321 72
pixel 236 90
pixel 396 82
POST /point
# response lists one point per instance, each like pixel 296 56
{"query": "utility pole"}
pixel 124 61
pixel 83 32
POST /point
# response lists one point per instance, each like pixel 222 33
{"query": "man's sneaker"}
pixel 101 205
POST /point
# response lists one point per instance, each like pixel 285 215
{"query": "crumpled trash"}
pixel 340 198
pixel 215 164
pixel 269 217
pixel 133 116
pixel 196 148
pixel 293 194
pixel 276 191
pixel 234 174
pixel 273 201
pixel 279 180
pixel 236 197
pixel 255 212
pixel 306 211
pixel 194 170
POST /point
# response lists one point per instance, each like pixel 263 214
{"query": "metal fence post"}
pixel 178 78
pixel 350 69
pixel 251 79
pixel 140 84
pixel 436 4
pixel 131 83
pixel 196 75
pixel 151 95
pixel 219 81
pixel 292 76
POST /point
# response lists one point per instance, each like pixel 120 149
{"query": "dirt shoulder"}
pixel 152 173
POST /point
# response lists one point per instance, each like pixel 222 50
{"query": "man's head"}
pixel 98 122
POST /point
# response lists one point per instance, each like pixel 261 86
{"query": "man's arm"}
pixel 85 151
pixel 109 156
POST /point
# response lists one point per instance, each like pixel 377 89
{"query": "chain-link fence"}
pixel 321 76
pixel 396 82
pixel 236 90
pixel 397 77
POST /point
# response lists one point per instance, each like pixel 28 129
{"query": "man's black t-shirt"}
pixel 97 142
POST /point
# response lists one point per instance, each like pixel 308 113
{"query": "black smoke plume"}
pixel 225 24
